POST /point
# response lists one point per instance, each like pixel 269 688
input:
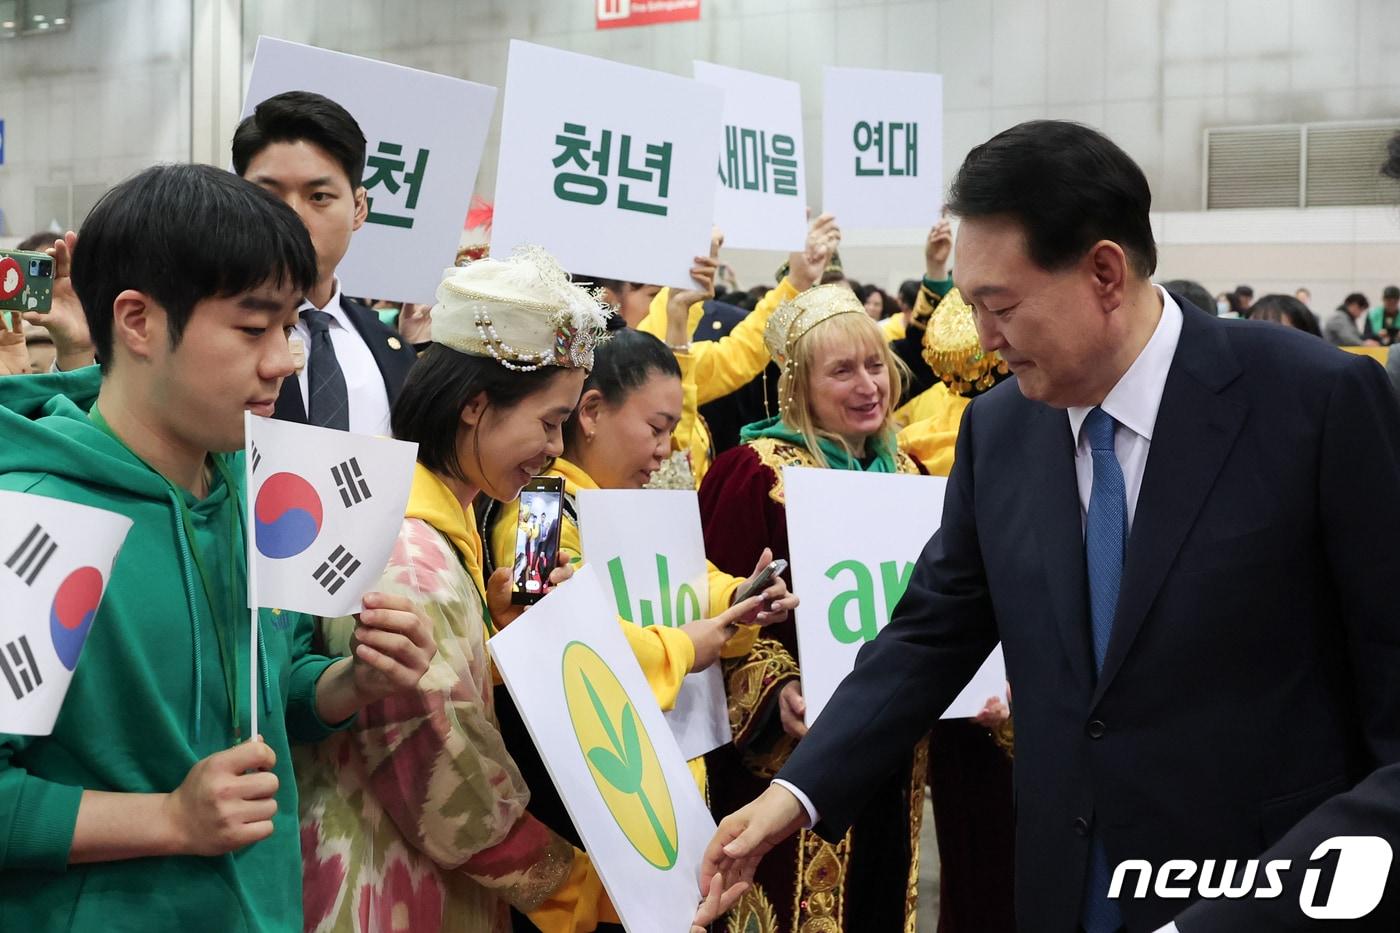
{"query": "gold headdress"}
pixel 953 352
pixel 794 318
pixel 523 312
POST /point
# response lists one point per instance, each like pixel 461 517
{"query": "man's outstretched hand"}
pixel 746 835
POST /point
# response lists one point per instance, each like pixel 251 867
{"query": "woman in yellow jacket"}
pixel 711 369
pixel 616 439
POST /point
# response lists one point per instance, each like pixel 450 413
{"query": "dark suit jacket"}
pixel 394 364
pixel 1253 675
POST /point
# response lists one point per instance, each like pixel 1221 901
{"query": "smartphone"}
pixel 26 281
pixel 760 582
pixel 536 538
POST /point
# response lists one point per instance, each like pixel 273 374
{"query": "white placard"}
pixel 882 148
pixel 626 787
pixel 57 558
pixel 648 546
pixel 609 167
pixel 989 681
pixel 324 510
pixel 761 202
pixel 425 134
pixel 850 566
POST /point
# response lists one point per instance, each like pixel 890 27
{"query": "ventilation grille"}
pixel 1344 166
pixel 1253 167
pixel 1300 165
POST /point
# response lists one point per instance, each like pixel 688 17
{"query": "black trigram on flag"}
pixel 336 569
pixel 351 482
pixel 33 553
pixel 257 458
pixel 17 661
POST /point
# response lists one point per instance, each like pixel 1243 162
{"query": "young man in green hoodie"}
pixel 148 808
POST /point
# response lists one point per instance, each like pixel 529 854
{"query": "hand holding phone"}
pixel 26 281
pixel 760 581
pixel 536 539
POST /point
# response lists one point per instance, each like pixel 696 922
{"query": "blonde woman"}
pixel 840 383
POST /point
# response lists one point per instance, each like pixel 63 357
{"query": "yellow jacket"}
pixel 894 327
pixel 714 368
pixel 932 435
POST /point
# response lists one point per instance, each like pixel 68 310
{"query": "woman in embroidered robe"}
pixel 839 385
pixel 416 817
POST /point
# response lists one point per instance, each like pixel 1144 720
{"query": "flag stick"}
pixel 249 531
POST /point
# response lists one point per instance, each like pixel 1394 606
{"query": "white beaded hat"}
pixel 523 312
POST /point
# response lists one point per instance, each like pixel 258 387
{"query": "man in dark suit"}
pixel 309 151
pixel 1157 519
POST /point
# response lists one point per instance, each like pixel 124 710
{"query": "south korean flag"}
pixel 55 560
pixel 324 509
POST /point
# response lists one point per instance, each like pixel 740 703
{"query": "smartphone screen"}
pixel 536 538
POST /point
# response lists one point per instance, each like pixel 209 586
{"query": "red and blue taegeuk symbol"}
pixel 74 605
pixel 287 516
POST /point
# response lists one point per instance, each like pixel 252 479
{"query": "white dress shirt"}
pixel 1133 404
pixel 364 385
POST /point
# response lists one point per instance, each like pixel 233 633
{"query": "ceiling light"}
pixel 60 21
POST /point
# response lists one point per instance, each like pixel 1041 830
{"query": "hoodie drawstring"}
pixel 266 677
pixel 187 561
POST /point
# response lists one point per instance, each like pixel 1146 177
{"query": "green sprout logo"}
pixel 620 756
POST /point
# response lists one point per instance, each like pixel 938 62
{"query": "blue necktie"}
pixel 1105 537
pixel 328 400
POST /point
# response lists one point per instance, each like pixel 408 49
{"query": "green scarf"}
pixel 836 455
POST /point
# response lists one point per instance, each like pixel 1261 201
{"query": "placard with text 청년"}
pixel 607 166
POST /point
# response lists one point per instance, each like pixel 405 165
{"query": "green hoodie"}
pixel 149 698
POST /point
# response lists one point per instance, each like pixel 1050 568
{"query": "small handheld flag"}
pixel 324 510
pixel 57 559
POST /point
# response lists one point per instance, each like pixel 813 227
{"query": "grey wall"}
pixel 91 105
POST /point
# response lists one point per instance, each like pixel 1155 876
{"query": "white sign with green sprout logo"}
pixel 648 545
pixel 424 135
pixel 618 769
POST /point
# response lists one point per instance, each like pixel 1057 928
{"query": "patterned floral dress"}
pixel 415 818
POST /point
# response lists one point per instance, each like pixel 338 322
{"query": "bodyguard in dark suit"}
pixel 1157 518
pixel 309 151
